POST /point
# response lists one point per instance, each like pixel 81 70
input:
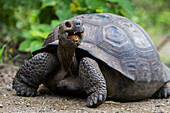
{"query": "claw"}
pixel 28 94
pixel 164 92
pixel 22 92
pixel 22 89
pixel 91 103
pixel 168 92
pixel 17 89
pixel 95 99
pixel 100 97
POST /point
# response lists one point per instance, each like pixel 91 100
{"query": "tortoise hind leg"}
pixel 94 83
pixel 33 73
pixel 163 92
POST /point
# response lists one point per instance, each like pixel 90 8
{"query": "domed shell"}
pixel 120 43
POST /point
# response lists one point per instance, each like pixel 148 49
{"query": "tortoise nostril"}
pixel 67 24
pixel 78 24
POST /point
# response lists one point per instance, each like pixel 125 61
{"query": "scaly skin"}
pixel 163 92
pixel 93 81
pixel 33 73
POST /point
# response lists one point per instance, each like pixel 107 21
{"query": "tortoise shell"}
pixel 120 43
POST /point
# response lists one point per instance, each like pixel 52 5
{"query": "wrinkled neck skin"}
pixel 66 55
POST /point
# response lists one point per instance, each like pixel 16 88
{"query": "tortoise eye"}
pixel 67 24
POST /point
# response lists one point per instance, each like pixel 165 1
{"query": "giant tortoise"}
pixel 99 55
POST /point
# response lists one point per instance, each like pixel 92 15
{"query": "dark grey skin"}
pixel 62 71
pixel 69 69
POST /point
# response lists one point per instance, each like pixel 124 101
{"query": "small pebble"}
pixel 1 106
pixel 8 89
pixel 122 108
pixel 159 105
pixel 27 105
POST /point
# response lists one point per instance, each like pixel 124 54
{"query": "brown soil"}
pixel 10 102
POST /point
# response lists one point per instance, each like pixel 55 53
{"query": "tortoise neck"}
pixel 66 56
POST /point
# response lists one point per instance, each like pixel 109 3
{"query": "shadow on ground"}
pixel 10 102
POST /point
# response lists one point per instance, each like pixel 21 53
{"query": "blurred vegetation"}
pixel 153 16
pixel 24 24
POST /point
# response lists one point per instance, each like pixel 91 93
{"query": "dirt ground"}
pixel 10 102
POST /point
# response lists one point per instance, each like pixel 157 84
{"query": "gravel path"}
pixel 9 102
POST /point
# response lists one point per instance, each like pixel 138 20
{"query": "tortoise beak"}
pixel 75 34
pixel 72 32
pixel 75 37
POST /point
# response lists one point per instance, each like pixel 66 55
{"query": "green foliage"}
pixel 32 21
pixel 13 58
pixel 153 16
pixel 26 100
pixel 127 7
pixel 34 37
pixel 1 52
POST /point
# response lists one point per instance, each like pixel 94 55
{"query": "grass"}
pixel 26 100
pixel 1 52
pixel 13 58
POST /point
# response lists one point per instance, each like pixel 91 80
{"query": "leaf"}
pixel 44 27
pixel 95 4
pixel 35 45
pixel 33 16
pixel 115 10
pixel 13 58
pixel 41 31
pixel 111 102
pixel 63 13
pixel 25 45
pixel 106 10
pixel 37 33
pixel 113 0
pixel 41 27
pixel 54 23
pixel 2 49
pixel 127 6
pixel 81 2
pixel 74 6
pixel 27 34
pixel 63 10
pixel 100 10
pixel 47 3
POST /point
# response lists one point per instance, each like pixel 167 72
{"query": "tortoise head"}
pixel 70 32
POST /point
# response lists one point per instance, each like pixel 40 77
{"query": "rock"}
pixel 1 106
pixel 27 105
pixel 8 88
pixel 122 108
pixel 159 105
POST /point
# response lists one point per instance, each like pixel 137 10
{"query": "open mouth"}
pixel 74 35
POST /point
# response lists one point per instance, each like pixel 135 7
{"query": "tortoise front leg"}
pixel 33 73
pixel 93 82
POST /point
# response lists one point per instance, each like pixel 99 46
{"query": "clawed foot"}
pixel 95 99
pixel 164 92
pixel 23 90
